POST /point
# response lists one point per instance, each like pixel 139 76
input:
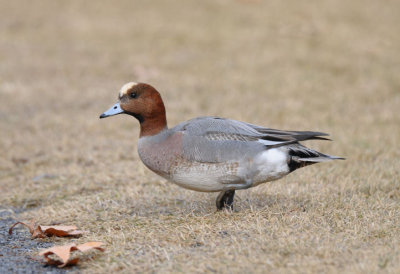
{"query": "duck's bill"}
pixel 114 110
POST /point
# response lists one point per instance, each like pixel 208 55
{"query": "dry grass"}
pixel 327 65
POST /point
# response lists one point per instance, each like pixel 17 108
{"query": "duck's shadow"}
pixel 203 204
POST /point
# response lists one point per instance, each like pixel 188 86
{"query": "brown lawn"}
pixel 331 66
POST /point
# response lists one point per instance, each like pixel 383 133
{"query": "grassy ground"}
pixel 328 65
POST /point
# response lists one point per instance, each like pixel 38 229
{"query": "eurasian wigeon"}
pixel 210 153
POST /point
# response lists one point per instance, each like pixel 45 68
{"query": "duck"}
pixel 213 154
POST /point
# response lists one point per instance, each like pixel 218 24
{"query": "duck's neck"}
pixel 153 125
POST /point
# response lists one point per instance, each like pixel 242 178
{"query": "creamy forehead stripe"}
pixel 125 88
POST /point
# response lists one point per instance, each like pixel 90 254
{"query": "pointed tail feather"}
pixel 301 156
pixel 319 159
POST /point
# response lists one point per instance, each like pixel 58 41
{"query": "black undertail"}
pixel 300 156
pixel 294 163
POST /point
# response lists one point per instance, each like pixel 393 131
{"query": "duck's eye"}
pixel 133 95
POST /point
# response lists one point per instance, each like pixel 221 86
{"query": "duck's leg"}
pixel 225 199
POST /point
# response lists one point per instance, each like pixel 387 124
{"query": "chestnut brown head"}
pixel 143 102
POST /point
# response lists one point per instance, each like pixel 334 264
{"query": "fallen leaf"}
pixel 30 226
pixel 48 231
pixel 89 245
pixel 37 233
pixel 61 231
pixel 64 253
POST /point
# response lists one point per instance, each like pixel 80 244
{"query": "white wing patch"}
pixel 270 143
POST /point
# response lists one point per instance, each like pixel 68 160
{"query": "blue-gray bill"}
pixel 114 110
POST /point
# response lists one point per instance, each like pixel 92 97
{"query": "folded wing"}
pixel 214 139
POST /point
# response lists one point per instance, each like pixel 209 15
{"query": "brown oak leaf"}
pixel 39 231
pixel 64 253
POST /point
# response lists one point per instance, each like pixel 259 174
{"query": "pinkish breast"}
pixel 160 152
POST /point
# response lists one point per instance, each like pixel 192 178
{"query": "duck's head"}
pixel 143 102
